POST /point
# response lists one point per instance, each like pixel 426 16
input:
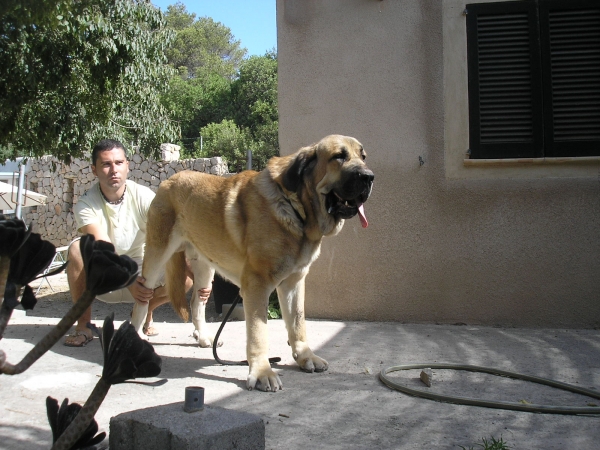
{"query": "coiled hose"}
pixel 547 409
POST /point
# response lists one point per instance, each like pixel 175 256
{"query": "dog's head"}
pixel 331 178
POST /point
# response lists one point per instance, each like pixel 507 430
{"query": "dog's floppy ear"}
pixel 291 178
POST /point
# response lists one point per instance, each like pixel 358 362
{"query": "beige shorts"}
pixel 120 296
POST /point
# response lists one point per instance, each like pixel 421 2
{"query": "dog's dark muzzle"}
pixel 364 184
pixel 345 202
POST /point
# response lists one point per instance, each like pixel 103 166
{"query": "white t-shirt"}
pixel 125 224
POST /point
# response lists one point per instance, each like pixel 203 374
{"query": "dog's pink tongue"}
pixel 363 218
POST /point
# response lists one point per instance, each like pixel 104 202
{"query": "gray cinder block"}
pixel 169 427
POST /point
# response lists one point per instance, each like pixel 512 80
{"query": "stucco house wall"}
pixel 514 244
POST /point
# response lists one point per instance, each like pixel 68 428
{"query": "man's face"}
pixel 111 168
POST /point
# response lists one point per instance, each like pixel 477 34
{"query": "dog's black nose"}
pixel 366 176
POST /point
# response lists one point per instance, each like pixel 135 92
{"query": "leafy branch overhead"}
pixel 73 72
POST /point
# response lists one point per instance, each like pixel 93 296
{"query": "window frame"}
pixel 455 108
pixel 485 141
pixel 552 147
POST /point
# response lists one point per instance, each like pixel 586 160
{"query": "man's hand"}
pixel 140 292
pixel 204 294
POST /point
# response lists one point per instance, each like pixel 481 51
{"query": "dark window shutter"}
pixel 505 92
pixel 570 35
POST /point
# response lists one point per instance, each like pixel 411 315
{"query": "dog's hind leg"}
pixel 291 301
pixel 203 278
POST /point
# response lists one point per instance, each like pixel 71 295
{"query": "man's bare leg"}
pixel 77 282
pixel 161 297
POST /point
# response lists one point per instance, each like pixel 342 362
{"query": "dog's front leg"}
pixel 256 297
pixel 155 259
pixel 138 315
pixel 140 310
pixel 291 301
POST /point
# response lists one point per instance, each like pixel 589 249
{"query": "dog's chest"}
pixel 308 253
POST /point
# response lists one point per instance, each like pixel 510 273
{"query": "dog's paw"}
pixel 205 341
pixel 265 380
pixel 309 362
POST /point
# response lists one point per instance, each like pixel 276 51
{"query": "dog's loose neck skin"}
pixel 295 203
pixel 318 225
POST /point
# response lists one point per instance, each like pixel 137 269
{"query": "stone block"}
pixel 199 165
pixel 169 427
pixel 216 170
pixel 426 377
pixel 169 152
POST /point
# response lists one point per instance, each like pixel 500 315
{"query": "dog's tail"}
pixel 175 283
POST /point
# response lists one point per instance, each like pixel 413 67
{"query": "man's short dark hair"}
pixel 104 145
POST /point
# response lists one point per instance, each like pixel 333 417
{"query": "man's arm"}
pixel 139 292
pixel 95 230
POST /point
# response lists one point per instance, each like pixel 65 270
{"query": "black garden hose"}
pixel 216 341
pixel 547 409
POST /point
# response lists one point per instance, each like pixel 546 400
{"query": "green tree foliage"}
pixel 218 94
pixel 252 101
pixel 254 96
pixel 178 18
pixel 196 102
pixel 228 140
pixel 202 46
pixel 75 71
pixel 254 92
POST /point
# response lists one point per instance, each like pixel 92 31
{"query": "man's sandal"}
pixel 149 330
pixel 79 339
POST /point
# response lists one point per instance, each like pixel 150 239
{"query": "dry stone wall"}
pixel 63 184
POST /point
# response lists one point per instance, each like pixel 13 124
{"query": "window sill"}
pixel 515 162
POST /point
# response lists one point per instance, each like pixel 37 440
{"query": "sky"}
pixel 252 22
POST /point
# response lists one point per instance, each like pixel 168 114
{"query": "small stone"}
pixel 426 377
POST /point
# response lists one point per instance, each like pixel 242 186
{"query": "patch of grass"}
pixel 493 444
pixel 274 310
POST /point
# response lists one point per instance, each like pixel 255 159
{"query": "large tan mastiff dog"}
pixel 260 230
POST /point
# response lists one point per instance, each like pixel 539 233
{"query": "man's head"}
pixel 110 166
pixel 104 145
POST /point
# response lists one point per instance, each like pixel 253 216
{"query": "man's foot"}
pixel 80 339
pixel 149 330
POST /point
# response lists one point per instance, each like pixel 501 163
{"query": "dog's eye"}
pixel 342 156
pixel 363 156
